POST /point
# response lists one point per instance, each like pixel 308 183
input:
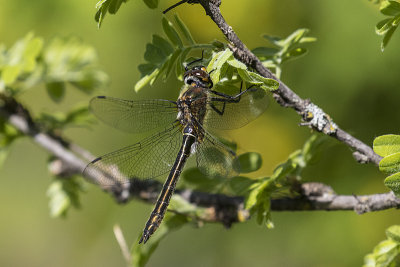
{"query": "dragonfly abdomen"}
pixel 158 213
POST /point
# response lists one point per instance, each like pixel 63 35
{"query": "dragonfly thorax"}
pixel 198 76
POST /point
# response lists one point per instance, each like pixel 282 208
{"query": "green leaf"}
pixel 383 255
pixel 162 44
pixel 250 162
pixel 390 164
pixel 239 185
pixel 56 90
pixel 20 59
pixel 151 3
pixel 195 179
pixel 387 38
pixel 216 63
pixel 393 232
pixel 393 182
pixel 383 26
pixel 107 6
pixel 63 194
pixel 386 145
pixel 184 30
pixel 154 54
pixel 256 79
pixel 70 60
pixel 171 33
pixel 141 253
pixel 390 8
pixel 145 80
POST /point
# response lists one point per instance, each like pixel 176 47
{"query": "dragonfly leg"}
pixel 220 112
pixel 229 98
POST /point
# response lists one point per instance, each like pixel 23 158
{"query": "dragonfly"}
pixel 185 127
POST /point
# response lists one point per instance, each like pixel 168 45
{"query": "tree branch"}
pixel 284 95
pixel 219 208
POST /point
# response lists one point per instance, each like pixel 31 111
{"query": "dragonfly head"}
pixel 198 76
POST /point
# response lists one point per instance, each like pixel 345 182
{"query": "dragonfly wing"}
pixel 151 157
pixel 215 159
pixel 133 116
pixel 225 115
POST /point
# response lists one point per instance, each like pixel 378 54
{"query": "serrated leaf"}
pixel 163 44
pixel 184 30
pixel 154 54
pixel 141 253
pixel 56 90
pixel 393 182
pixel 250 162
pixel 393 232
pixel 171 33
pixel 386 145
pixel 151 3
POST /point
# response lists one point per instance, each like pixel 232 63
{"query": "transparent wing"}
pixel 224 113
pixel 133 116
pixel 151 157
pixel 215 159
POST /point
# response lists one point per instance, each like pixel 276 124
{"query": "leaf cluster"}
pixel 283 50
pixel 387 252
pixel 388 26
pixel 388 146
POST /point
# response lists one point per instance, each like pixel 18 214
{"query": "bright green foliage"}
pixel 29 62
pixel 258 199
pixel 70 60
pixel 64 194
pixel 141 253
pixel 227 70
pixel 388 26
pixel 163 55
pixel 20 61
pixel 386 253
pixel 388 146
pixel 284 49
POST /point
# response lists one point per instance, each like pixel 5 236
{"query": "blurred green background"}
pixel 345 73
